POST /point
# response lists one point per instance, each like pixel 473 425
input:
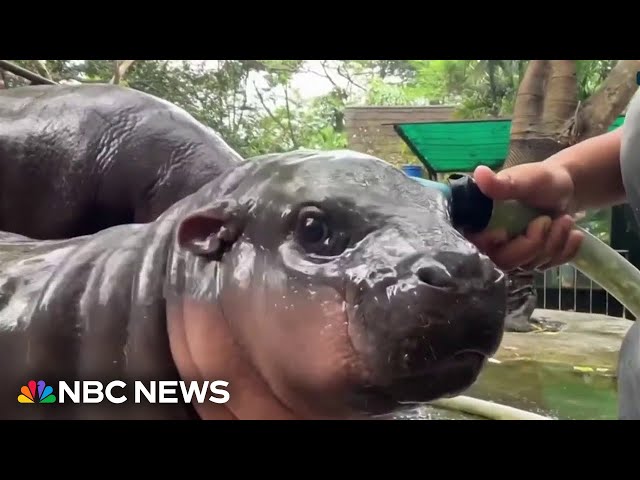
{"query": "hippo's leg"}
pixel 629 360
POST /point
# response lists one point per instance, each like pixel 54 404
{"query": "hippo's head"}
pixel 344 283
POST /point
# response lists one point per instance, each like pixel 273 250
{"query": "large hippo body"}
pixel 319 285
pixel 77 159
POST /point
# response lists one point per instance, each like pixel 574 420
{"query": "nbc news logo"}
pixel 90 391
pixel 36 392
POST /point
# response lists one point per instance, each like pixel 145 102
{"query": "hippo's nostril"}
pixel 462 264
pixel 436 276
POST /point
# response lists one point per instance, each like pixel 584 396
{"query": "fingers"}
pixel 497 187
pixel 524 248
pixel 545 244
pixel 528 183
pixel 489 241
pixel 569 251
pixel 555 243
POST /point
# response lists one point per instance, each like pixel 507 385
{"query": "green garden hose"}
pixel 594 258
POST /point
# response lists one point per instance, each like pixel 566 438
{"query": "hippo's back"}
pixel 81 308
pixel 80 158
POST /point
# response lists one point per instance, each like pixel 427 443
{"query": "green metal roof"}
pixel 461 146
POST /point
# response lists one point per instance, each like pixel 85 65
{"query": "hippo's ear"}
pixel 211 231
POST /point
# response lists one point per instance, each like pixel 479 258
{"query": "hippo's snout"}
pixel 456 271
pixel 428 333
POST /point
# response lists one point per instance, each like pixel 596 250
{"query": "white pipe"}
pixel 486 409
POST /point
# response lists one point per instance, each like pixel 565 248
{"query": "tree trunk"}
pixel 119 70
pixel 548 118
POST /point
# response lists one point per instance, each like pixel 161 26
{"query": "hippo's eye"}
pixel 312 230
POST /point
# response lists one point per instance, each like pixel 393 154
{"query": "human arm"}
pixel 594 167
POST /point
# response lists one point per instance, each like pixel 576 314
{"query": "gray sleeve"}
pixel 629 357
pixel 629 375
pixel 630 155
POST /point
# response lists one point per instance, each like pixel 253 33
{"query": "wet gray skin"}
pixel 338 280
pixel 77 159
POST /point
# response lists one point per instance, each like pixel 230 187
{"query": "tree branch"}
pixel 268 110
pixel 610 100
pixel 328 77
pixel 43 70
pixel 349 78
pixel 291 132
pixel 34 78
pixel 243 108
pixel 232 113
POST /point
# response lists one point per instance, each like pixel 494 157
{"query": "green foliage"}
pixel 255 107
pixel 382 93
pixel 591 74
pixel 598 223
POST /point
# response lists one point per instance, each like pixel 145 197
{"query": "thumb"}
pixel 496 186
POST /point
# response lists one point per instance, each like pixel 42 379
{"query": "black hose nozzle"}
pixel 471 209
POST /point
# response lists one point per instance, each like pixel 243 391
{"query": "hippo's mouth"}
pixel 418 343
pixel 446 378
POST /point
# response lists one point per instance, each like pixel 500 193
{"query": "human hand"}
pixel 550 240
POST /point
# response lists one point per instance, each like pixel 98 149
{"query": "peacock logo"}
pixel 44 393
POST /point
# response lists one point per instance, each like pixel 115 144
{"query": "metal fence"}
pixel 566 288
